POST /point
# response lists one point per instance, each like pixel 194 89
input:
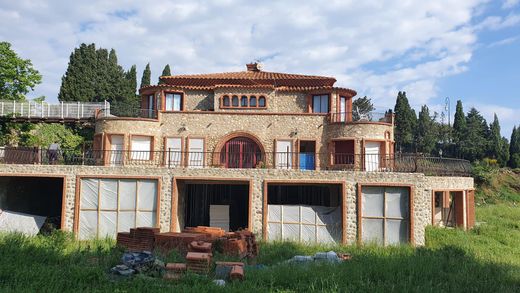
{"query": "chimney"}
pixel 253 66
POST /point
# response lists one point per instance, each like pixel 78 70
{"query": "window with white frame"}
pixel 141 147
pixel 109 206
pixel 385 215
pixel 320 103
pixel 173 102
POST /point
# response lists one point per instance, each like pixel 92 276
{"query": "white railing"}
pixel 43 110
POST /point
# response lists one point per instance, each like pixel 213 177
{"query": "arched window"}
pixel 240 152
pixel 225 101
pixel 234 101
pixel 252 101
pixel 243 101
pixel 261 101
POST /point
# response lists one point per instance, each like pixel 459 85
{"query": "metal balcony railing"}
pixel 43 110
pixel 407 163
pixel 345 117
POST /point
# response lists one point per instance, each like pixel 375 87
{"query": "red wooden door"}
pixel 240 152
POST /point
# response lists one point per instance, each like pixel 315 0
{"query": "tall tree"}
pixel 131 80
pixel 425 135
pixel 475 143
pixel 166 72
pixel 459 128
pixel 146 78
pixel 405 123
pixel 514 148
pixel 361 106
pixel 497 147
pixel 118 83
pixel 17 75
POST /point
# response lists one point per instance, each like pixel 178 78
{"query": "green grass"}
pixel 486 259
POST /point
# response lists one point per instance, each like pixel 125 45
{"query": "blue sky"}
pixel 464 49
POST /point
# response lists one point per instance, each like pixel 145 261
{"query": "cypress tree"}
pixel 459 128
pixel 475 143
pixel 117 77
pixel 514 148
pixel 405 123
pixel 145 79
pixel 497 149
pixel 78 82
pixel 166 72
pixel 425 132
pixel 131 86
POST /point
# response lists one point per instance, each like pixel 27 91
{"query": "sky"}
pixel 460 49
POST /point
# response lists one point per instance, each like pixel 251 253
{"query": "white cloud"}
pixel 375 47
pixel 508 4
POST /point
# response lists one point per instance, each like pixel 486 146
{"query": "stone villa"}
pixel 284 155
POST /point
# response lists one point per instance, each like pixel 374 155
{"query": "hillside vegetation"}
pixel 497 185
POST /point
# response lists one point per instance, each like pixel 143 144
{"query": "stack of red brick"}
pixel 138 239
pixel 174 271
pixel 192 239
pixel 198 262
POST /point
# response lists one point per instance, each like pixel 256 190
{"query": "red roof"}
pixel 253 77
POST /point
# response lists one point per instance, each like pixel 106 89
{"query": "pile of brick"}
pixel 174 271
pixel 229 270
pixel 167 242
pixel 138 239
pixel 198 262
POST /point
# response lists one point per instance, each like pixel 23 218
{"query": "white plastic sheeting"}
pixel 219 216
pixel 108 206
pixel 385 215
pixel 19 222
pixel 302 223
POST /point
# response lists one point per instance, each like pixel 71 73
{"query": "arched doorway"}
pixel 240 152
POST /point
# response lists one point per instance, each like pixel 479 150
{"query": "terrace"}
pixel 401 163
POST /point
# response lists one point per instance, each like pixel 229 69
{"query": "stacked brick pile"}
pixel 229 270
pixel 198 262
pixel 166 242
pixel 174 271
pixel 138 239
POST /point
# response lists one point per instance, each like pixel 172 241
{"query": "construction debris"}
pixel 27 224
pixel 330 257
pixel 139 262
pixel 196 244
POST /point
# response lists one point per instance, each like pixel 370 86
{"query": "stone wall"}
pixel 215 126
pixel 422 188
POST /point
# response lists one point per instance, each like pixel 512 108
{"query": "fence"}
pixel 344 117
pixel 63 110
pixel 407 163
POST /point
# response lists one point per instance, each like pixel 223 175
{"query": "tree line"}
pixel 470 137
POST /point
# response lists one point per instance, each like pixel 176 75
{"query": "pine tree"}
pixel 166 72
pixel 475 143
pixel 146 78
pixel 118 84
pixel 425 132
pixel 459 128
pixel 405 123
pixel 361 106
pixel 514 148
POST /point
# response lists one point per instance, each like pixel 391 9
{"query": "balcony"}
pixel 402 163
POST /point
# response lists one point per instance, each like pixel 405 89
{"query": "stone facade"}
pixel 422 188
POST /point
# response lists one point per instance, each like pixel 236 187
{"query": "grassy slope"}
pixel 485 260
pixel 497 185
